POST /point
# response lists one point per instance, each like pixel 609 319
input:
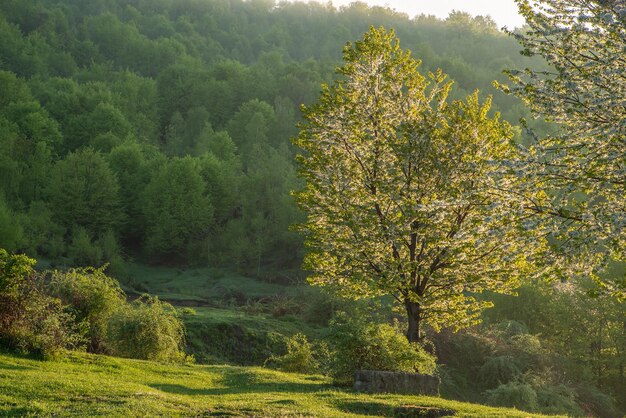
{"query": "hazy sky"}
pixel 504 12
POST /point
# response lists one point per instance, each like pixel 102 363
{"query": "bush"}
pixel 558 399
pixel 92 297
pixel 45 316
pixel 359 345
pixel 499 370
pixel 597 402
pixel 509 328
pixel 147 329
pixel 300 356
pixel 31 321
pixel 44 329
pixel 82 250
pixel 514 394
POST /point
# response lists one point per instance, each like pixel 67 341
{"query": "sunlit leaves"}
pixel 584 164
pixel 408 194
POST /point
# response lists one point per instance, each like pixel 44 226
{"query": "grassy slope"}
pixel 202 285
pixel 90 385
pixel 230 325
pixel 237 336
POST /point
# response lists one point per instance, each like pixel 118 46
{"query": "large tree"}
pixel 178 212
pixel 583 162
pixel 84 192
pixel 408 194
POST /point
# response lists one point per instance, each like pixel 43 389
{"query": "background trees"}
pixel 407 194
pixel 219 82
pixel 84 191
pixel 178 212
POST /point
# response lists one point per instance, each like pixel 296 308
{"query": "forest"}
pixel 160 134
pixel 132 106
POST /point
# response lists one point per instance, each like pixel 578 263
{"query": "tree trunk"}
pixel 414 315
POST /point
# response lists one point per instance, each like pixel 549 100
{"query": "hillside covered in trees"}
pixel 156 136
pixel 160 130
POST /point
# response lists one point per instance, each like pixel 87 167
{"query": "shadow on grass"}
pixel 377 409
pixel 383 410
pixel 242 382
pixel 18 412
pixel 14 367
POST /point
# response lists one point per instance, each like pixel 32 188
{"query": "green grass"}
pixel 199 285
pixel 89 385
pixel 287 325
pixel 238 320
pixel 237 335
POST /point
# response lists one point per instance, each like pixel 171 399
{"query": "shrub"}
pixel 92 297
pixel 514 394
pixel 499 370
pixel 558 399
pixel 31 321
pixel 509 328
pixel 358 345
pixel 597 402
pixel 11 232
pixel 82 250
pixel 147 329
pixel 111 253
pixel 15 271
pixel 44 329
pixel 300 356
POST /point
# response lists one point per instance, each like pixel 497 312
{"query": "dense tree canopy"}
pixel 408 194
pixel 221 82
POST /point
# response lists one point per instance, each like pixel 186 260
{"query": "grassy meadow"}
pixel 95 385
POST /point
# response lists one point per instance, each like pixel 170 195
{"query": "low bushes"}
pixel 32 321
pixel 147 329
pixel 45 313
pixel 514 394
pixel 301 356
pixel 91 296
pixel 356 344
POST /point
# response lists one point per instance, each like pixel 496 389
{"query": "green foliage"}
pixel 142 83
pixel 30 320
pixel 82 250
pixel 592 399
pixel 43 235
pixel 92 297
pixel 93 128
pixel 594 357
pixel 177 210
pixel 42 326
pixel 560 399
pixel 499 370
pixel 514 394
pixel 358 344
pixel 147 329
pixel 582 162
pixel 299 358
pixel 409 195
pixel 44 313
pixel 84 192
pixel 14 272
pixel 11 230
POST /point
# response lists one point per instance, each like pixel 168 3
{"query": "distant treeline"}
pixel 160 129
